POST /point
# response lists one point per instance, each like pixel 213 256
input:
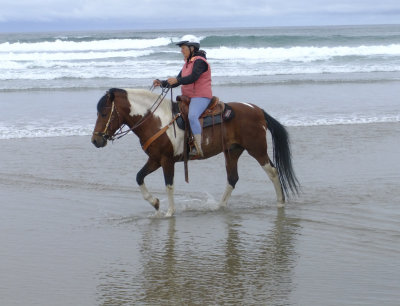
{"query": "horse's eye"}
pixel 103 115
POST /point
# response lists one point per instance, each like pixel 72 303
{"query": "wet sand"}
pixel 74 229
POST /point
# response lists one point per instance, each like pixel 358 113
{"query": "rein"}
pixel 150 112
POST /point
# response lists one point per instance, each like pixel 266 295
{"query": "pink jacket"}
pixel 200 88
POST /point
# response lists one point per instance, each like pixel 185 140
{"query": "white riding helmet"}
pixel 189 40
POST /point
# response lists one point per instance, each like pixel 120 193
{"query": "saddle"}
pixel 215 107
pixel 216 112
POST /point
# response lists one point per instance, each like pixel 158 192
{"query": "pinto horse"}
pixel 247 130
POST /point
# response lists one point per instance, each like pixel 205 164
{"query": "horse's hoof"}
pixel 280 204
pixel 158 214
pixel 157 204
pixel 170 213
pixel 223 205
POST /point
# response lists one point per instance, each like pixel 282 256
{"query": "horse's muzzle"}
pixel 99 140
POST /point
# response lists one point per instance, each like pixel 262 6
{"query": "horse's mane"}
pixel 141 100
pixel 143 93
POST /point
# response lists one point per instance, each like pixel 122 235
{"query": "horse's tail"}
pixel 282 155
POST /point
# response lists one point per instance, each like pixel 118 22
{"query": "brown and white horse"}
pixel 246 131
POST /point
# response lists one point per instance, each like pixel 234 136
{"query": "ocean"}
pixel 75 229
pixel 269 55
pixel 290 56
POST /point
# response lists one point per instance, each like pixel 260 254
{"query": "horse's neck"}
pixel 143 101
pixel 143 109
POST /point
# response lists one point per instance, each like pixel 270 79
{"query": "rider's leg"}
pixel 196 107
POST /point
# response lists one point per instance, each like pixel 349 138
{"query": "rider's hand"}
pixel 172 81
pixel 156 83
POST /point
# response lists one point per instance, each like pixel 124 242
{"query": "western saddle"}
pixel 215 107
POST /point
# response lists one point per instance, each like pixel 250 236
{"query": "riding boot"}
pixel 197 144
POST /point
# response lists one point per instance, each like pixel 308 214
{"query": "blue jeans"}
pixel 196 107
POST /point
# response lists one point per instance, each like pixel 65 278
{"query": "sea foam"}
pixel 38 131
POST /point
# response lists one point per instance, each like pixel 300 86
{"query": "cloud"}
pixel 45 10
pixel 205 13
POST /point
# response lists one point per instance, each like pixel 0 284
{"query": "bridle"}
pixel 104 133
pixel 121 133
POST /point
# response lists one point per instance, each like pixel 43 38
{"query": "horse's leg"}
pixel 272 173
pixel 148 168
pixel 259 151
pixel 231 159
pixel 168 166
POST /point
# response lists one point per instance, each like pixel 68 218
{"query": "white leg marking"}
pixel 273 175
pixel 147 196
pixel 226 196
pixel 171 207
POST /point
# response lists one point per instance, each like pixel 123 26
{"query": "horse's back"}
pixel 247 112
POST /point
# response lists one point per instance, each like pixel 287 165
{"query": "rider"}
pixel 195 78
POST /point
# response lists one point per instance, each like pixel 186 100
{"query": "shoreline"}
pixel 73 112
pixel 219 83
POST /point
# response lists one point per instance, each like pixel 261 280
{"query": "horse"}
pixel 247 130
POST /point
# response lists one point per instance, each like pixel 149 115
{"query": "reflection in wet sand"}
pixel 211 259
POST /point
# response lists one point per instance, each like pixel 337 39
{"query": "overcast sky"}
pixel 47 15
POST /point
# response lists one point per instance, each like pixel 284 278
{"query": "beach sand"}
pixel 74 229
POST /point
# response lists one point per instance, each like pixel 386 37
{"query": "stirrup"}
pixel 193 152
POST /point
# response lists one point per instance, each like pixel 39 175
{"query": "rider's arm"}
pixel 165 83
pixel 199 67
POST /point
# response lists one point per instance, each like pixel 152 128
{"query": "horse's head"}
pixel 108 120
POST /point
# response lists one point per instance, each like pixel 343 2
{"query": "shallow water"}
pixel 75 230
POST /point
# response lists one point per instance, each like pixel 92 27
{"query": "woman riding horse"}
pixel 195 78
pixel 246 131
